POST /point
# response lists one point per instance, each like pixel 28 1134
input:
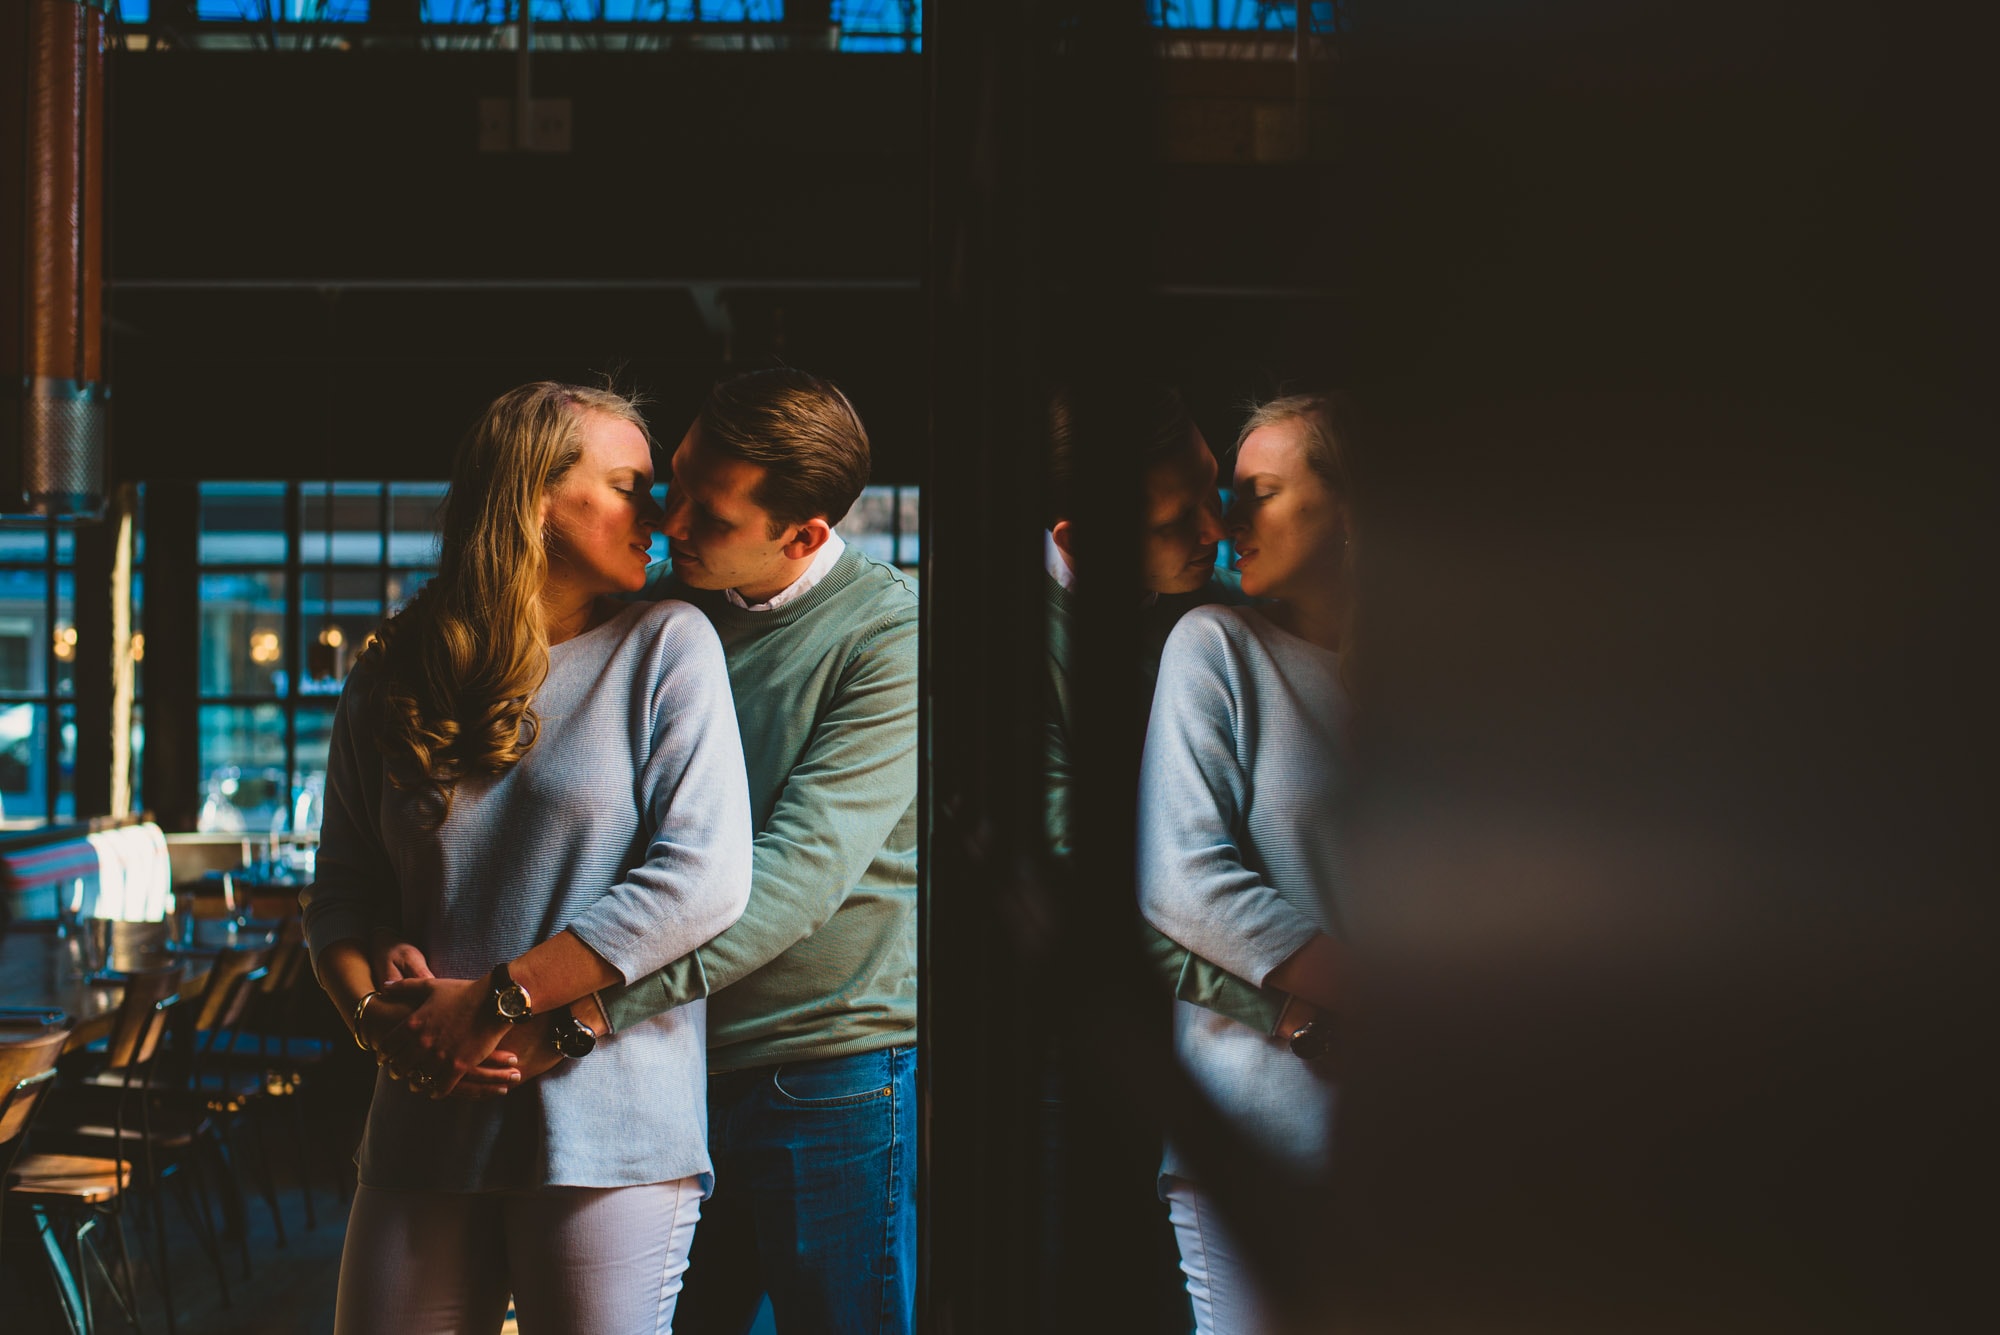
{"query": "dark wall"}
pixel 317 273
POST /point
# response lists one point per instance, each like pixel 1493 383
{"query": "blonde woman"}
pixel 1238 859
pixel 542 788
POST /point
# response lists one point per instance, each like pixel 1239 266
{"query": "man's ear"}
pixel 1061 533
pixel 807 539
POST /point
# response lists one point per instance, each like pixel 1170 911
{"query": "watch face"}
pixel 574 1038
pixel 512 1003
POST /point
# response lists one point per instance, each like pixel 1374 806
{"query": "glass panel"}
pixel 24 619
pixel 910 504
pixel 138 634
pixel 309 777
pixel 870 523
pixel 659 547
pixel 403 586
pixel 343 528
pixel 66 764
pixel 139 527
pixel 24 540
pixel 242 633
pixel 138 758
pixel 24 771
pixel 242 768
pixel 336 614
pixel 242 522
pixel 64 638
pixel 413 522
pixel 65 545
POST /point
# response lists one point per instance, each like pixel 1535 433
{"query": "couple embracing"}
pixel 618 881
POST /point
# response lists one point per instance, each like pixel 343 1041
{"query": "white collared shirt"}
pixel 803 585
pixel 1057 565
pixel 1055 562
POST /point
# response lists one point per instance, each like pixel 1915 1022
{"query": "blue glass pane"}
pixel 413 522
pixel 341 524
pixel 403 586
pixel 138 634
pixel 242 522
pixel 315 724
pixel 868 15
pixel 24 630
pixel 66 763
pixel 243 780
pixel 24 742
pixel 871 523
pixel 242 634
pixel 336 616
pixel 1239 15
pixel 24 540
pixel 910 549
pixel 64 638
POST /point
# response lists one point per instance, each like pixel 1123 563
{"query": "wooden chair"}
pixel 124 1085
pixel 67 1195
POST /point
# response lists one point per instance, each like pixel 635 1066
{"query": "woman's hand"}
pixel 382 1030
pixel 450 1031
pixel 391 959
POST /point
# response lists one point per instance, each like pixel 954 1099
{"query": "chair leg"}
pixel 60 1275
pixel 260 1168
pixel 204 1231
pixel 82 1273
pixel 157 1208
pixel 128 1292
pixel 297 1122
pixel 229 1187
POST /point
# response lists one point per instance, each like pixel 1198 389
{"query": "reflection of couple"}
pixel 660 856
pixel 1238 857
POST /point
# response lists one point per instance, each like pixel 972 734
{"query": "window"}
pixel 883 523
pixel 294 577
pixel 37 676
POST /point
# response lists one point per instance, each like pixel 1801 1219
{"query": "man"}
pixel 812 1011
pixel 1181 531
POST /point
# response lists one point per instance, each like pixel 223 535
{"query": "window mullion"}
pixel 294 651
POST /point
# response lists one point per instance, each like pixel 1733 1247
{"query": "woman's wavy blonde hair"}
pixel 459 667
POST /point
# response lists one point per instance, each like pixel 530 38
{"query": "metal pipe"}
pixel 52 429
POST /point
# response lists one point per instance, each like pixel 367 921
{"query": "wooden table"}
pixel 35 972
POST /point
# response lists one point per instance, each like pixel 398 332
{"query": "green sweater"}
pixel 1191 977
pixel 823 962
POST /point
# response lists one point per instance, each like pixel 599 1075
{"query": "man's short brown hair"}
pixel 1164 421
pixel 801 430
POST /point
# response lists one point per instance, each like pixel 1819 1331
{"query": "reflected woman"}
pixel 541 787
pixel 1237 858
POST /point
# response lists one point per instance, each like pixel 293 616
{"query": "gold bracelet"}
pixel 360 1010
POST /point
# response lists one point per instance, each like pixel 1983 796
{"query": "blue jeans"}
pixel 815 1199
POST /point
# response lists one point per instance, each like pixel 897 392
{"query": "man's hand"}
pixel 451 1030
pixel 529 1049
pixel 523 1054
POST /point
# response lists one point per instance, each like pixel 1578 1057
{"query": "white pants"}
pixel 577 1260
pixel 1218 1287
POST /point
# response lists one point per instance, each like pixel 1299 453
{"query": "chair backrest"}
pixel 22 1061
pixel 230 984
pixel 135 1032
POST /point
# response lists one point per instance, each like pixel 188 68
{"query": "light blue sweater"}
pixel 627 822
pixel 1239 848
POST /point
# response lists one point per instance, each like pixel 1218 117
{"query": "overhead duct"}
pixel 53 409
